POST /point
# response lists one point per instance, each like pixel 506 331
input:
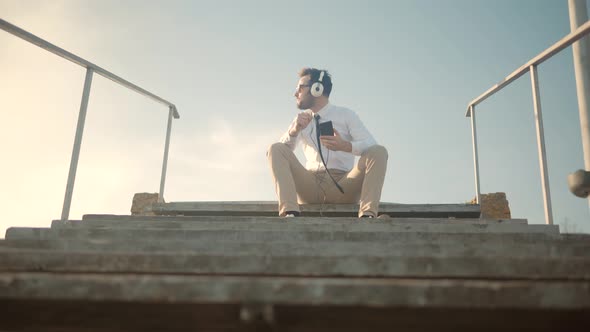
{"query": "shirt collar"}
pixel 322 111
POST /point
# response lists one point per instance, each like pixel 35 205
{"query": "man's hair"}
pixel 314 75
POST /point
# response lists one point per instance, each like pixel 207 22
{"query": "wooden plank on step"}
pixel 269 208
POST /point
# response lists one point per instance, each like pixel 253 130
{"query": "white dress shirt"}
pixel 350 128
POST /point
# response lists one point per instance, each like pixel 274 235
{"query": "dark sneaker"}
pixel 292 214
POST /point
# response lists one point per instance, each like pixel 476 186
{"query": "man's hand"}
pixel 303 120
pixel 336 143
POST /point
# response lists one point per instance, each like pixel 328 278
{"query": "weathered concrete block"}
pixel 142 204
pixel 494 206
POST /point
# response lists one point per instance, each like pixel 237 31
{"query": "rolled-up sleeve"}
pixel 361 137
pixel 289 140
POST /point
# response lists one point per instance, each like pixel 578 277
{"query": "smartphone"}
pixel 326 129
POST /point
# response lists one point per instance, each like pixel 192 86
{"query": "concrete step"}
pixel 112 219
pixel 53 315
pixel 454 245
pixel 400 235
pixel 514 268
pixel 131 302
pixel 270 208
pixel 247 224
pixel 380 292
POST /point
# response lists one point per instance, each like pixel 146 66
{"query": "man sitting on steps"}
pixel 342 182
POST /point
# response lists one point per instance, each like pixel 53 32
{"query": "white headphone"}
pixel 317 89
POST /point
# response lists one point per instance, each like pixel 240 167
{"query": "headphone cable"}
pixel 317 124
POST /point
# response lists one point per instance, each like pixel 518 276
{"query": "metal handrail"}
pixel 90 70
pixel 530 66
pixel 13 29
pixel 548 53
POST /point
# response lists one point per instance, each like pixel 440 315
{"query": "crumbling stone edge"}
pixel 142 204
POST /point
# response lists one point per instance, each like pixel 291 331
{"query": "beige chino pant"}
pixel 296 185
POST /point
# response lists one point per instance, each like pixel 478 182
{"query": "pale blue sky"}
pixel 408 68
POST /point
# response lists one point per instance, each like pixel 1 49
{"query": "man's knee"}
pixel 275 147
pixel 377 152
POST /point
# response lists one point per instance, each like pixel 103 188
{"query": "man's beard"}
pixel 303 104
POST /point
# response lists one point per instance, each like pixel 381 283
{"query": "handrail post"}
pixel 475 157
pixel 578 13
pixel 165 162
pixel 541 145
pixel 65 212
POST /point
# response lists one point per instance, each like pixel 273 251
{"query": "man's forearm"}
pixel 289 140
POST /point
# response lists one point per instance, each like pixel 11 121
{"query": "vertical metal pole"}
pixel 475 158
pixel 581 49
pixel 165 162
pixel 65 212
pixel 541 145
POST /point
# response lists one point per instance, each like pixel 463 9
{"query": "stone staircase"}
pixel 225 266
